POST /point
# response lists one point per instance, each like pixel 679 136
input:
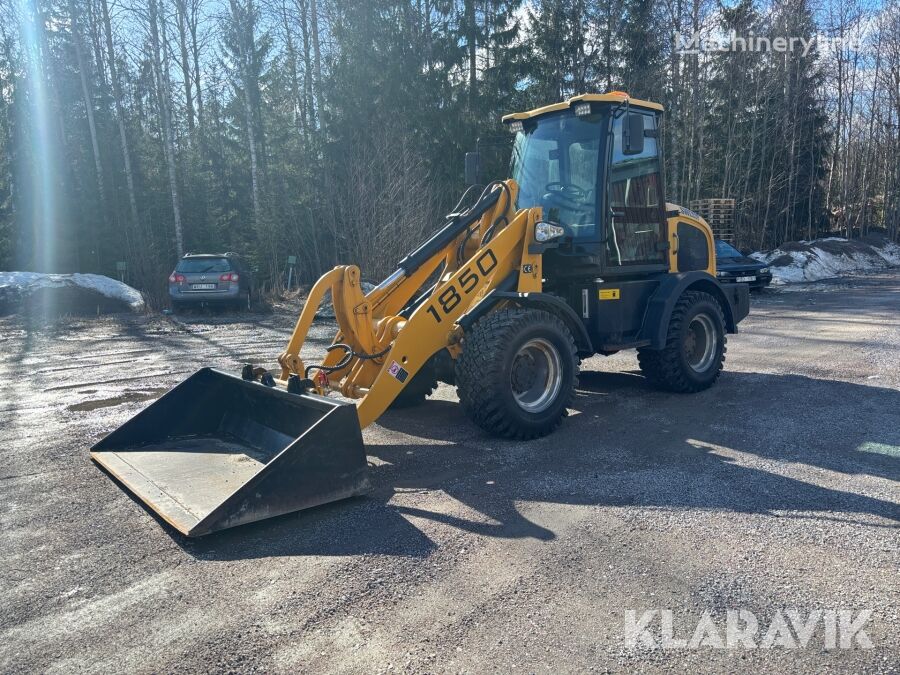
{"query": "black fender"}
pixel 734 299
pixel 550 303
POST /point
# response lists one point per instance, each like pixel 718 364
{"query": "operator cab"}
pixel 594 164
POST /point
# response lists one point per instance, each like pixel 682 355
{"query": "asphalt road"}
pixel 778 489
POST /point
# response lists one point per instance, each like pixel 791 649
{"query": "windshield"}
pixel 555 163
pixel 726 250
pixel 203 265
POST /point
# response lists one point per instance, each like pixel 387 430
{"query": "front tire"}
pixel 517 373
pixel 695 347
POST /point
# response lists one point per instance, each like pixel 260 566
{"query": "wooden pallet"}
pixel 719 213
pixel 710 202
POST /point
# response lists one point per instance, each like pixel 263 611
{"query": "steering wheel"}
pixel 566 195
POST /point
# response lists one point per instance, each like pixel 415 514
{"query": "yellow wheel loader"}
pixel 576 254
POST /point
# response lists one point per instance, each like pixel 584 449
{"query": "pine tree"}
pixel 641 51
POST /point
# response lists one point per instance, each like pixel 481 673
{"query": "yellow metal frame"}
pixel 700 224
pixel 610 97
pixel 371 324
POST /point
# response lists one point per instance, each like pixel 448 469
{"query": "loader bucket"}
pixel 217 451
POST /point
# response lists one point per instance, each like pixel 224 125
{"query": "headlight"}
pixel 764 270
pixel 721 274
pixel 547 231
pixel 516 126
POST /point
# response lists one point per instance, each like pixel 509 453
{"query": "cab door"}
pixel 635 224
pixel 635 240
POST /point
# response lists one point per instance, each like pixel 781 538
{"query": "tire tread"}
pixel 479 371
pixel 663 366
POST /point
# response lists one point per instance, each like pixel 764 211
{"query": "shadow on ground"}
pixel 626 444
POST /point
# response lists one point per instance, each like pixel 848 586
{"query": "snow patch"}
pixel 805 261
pixel 25 283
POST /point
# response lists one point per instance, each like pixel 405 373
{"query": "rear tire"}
pixel 420 387
pixel 241 303
pixel 444 367
pixel 517 373
pixel 695 346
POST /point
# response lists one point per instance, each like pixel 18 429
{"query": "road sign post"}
pixel 291 261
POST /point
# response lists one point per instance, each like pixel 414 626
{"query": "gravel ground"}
pixel 776 489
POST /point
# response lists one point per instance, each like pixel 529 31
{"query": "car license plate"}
pixel 742 280
pixel 203 287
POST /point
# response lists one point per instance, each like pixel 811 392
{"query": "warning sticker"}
pixel 396 370
pixel 609 294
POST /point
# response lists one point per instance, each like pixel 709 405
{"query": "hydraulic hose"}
pixel 345 360
pixel 489 233
pixel 456 226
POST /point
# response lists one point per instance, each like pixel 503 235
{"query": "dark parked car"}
pixel 734 266
pixel 213 278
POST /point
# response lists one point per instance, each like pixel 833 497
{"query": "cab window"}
pixel 583 164
pixel 555 164
pixel 636 226
pixel 693 252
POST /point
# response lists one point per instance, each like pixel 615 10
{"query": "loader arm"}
pixel 218 450
pixel 390 333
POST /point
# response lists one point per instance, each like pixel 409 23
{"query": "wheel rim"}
pixel 700 343
pixel 536 375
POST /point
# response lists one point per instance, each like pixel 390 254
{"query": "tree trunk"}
pixel 846 158
pixel 254 167
pixel 195 56
pixel 95 41
pixel 870 142
pixel 308 107
pixel 317 57
pixel 168 139
pixel 92 126
pixel 471 47
pixel 291 62
pixel 120 114
pixel 184 61
pixel 245 55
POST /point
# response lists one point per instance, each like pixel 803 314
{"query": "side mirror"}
pixel 473 162
pixel 633 134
